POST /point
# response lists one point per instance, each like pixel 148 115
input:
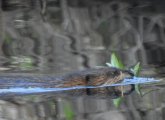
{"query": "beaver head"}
pixel 107 76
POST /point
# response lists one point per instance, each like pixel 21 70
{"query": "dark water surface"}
pixel 55 37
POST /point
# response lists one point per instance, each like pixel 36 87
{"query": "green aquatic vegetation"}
pixel 23 62
pixel 138 88
pixel 116 62
pixel 68 111
pixel 117 102
pixel 136 71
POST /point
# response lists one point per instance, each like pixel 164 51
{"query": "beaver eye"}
pixel 116 72
pixel 113 73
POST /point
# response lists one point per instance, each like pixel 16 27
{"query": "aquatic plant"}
pixel 68 111
pixel 22 62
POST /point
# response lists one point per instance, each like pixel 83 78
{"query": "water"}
pixel 56 37
pixel 33 90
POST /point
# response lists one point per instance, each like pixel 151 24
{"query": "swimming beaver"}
pixel 98 77
pixel 95 77
pixel 88 77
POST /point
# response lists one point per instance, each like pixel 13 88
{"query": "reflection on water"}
pixel 59 36
pixel 9 89
pixel 48 106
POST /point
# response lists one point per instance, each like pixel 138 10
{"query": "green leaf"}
pixel 116 61
pixel 117 102
pixel 137 69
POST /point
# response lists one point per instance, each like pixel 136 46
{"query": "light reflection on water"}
pixel 43 37
pixel 28 90
pixel 42 90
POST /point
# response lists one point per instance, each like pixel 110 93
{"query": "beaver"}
pixel 95 77
pixel 98 77
pixel 89 77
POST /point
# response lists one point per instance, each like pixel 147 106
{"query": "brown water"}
pixel 61 36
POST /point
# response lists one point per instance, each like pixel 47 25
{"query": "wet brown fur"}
pixel 95 77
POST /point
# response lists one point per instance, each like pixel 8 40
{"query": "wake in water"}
pixel 22 90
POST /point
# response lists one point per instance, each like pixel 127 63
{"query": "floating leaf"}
pixel 116 62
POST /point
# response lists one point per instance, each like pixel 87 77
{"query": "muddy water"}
pixel 60 36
